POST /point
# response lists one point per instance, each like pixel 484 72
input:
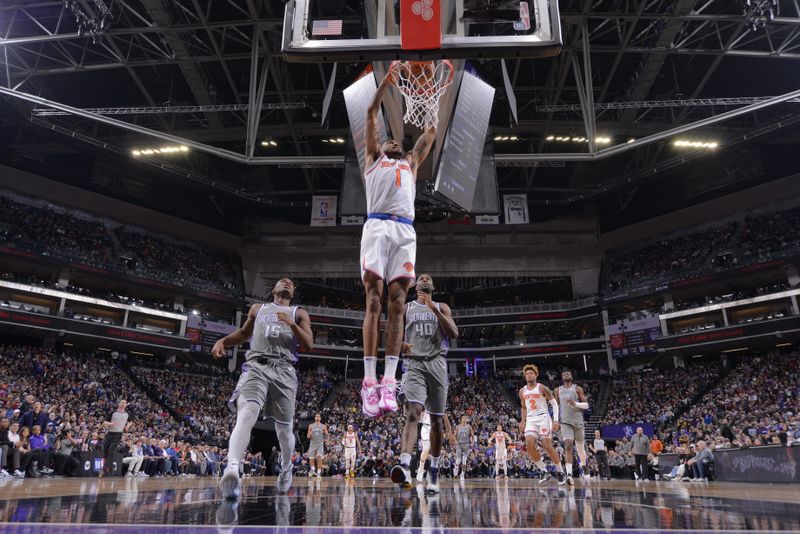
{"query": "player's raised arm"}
pixel 373 145
pixel 422 147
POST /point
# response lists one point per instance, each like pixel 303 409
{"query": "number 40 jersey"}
pixel 424 333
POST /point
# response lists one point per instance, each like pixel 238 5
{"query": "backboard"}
pixel 373 30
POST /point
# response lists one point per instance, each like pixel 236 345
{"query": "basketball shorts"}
pixel 501 455
pixel 272 384
pixel 462 450
pixel 350 453
pixel 539 425
pixel 316 450
pixel 425 382
pixel 388 250
pixel 574 431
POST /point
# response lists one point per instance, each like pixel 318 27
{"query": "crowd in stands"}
pixel 180 421
pixel 656 396
pixel 756 238
pixel 59 233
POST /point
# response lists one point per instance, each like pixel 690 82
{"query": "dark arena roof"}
pixel 183 67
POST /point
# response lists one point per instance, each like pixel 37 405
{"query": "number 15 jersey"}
pixel 424 332
pixel 271 337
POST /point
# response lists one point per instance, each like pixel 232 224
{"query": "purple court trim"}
pixel 61 528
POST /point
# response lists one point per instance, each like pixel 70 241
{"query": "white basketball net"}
pixel 422 87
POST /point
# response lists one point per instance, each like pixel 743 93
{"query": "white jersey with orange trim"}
pixel 350 440
pixel 535 401
pixel 499 440
pixel 391 187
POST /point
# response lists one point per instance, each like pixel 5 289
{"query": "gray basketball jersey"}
pixel 317 434
pixel 569 414
pixel 424 333
pixel 272 338
pixel 462 435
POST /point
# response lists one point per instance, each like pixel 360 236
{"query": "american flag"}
pixel 327 27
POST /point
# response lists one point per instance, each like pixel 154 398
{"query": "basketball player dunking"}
pixel 352 448
pixel 269 382
pixel 429 328
pixel 536 422
pixel 388 249
pixel 500 440
pixel 572 402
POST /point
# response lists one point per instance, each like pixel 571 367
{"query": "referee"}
pixel 599 450
pixel 115 426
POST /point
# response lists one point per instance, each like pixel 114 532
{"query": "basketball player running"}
pixel 388 249
pixel 425 443
pixel 352 447
pixel 536 423
pixel 429 327
pixel 269 382
pixel 500 439
pixel 317 432
pixel 572 402
pixel 465 435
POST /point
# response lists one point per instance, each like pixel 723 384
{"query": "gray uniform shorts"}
pixel 272 384
pixel 462 449
pixel 316 450
pixel 425 383
pixel 574 431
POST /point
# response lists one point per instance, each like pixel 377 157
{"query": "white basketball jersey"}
pixel 350 440
pixel 391 187
pixel 535 401
pixel 500 440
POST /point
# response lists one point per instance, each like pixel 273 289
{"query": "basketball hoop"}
pixel 422 83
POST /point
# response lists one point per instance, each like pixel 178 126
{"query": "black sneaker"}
pixel 561 478
pixel 433 481
pixel 401 476
pixel 546 477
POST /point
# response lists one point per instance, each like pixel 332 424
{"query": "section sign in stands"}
pixel 625 430
pixel 203 334
pixel 629 338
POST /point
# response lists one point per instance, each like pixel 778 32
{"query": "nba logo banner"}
pixel 323 211
pixel 516 209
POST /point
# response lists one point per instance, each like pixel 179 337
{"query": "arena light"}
pixel 104 349
pixel 141 353
pixel 783 345
pixel 601 140
pixel 170 150
pixel 736 350
pixel 631 140
pixel 687 143
pixel 268 142
pixel 334 140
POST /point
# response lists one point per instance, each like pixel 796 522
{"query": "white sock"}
pixel 434 462
pixel 371 368
pixel 569 470
pixel 541 465
pixel 391 368
pixel 464 461
pixel 559 468
pixel 286 441
pixel 405 459
pixel 246 417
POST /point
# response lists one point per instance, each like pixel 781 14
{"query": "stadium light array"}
pixel 334 140
pixel 162 150
pixel 685 143
pixel 506 138
pixel 577 139
pixel 268 142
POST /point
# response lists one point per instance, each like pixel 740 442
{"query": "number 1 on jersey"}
pixel 397 177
